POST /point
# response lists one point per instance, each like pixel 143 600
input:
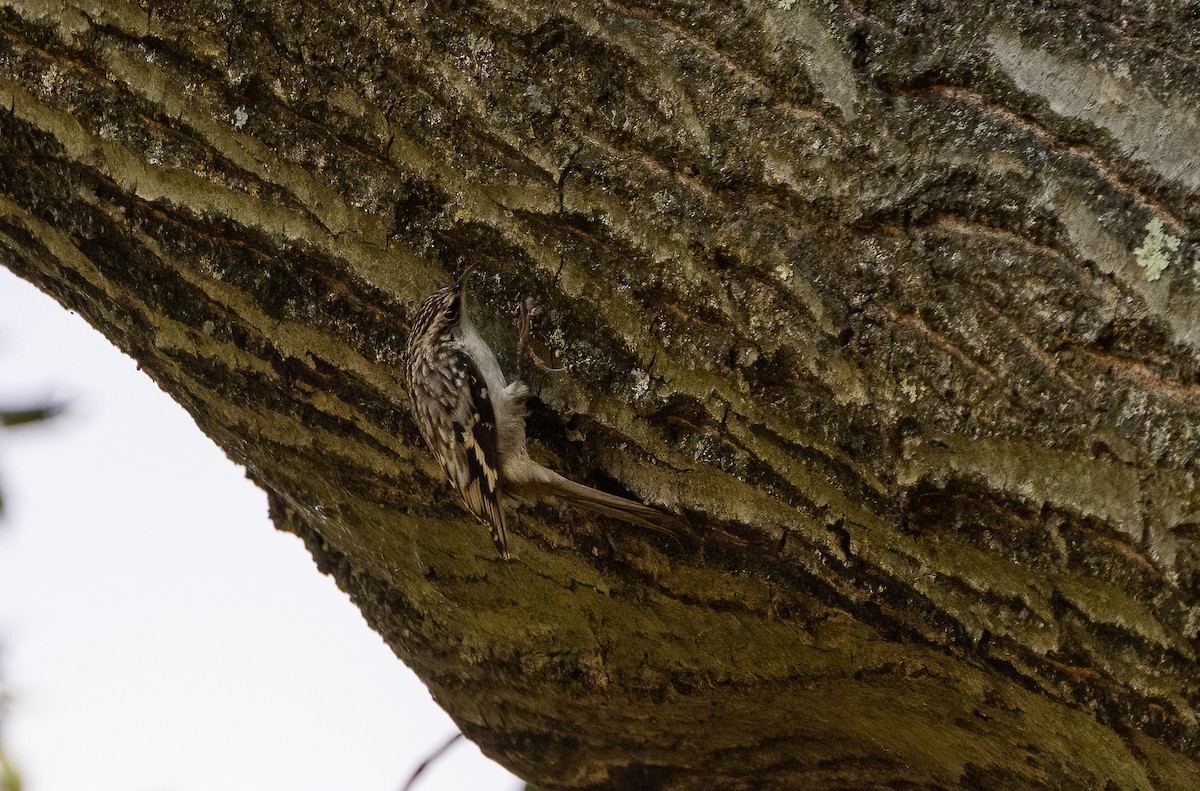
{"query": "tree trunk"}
pixel 894 304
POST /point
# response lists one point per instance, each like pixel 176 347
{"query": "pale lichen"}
pixel 1157 248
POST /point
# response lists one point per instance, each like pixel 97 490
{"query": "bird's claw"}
pixel 525 353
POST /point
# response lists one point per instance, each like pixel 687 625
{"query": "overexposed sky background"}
pixel 156 632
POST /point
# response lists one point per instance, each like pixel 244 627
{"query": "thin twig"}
pixel 425 764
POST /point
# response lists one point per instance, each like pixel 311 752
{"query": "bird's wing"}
pixel 467 447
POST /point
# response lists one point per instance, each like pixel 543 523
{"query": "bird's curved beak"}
pixel 461 286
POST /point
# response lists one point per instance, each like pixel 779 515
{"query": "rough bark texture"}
pixel 895 303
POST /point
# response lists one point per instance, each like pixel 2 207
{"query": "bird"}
pixel 473 420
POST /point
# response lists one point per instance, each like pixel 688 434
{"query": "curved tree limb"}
pixel 897 309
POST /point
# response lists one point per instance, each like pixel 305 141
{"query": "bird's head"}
pixel 442 313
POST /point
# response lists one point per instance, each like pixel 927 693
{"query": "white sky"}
pixel 158 634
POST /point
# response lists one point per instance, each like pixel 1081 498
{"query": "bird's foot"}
pixel 525 354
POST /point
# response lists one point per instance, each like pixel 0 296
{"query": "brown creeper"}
pixel 474 422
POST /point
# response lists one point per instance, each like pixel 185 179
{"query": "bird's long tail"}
pixel 604 503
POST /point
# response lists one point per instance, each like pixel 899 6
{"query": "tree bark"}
pixel 894 304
